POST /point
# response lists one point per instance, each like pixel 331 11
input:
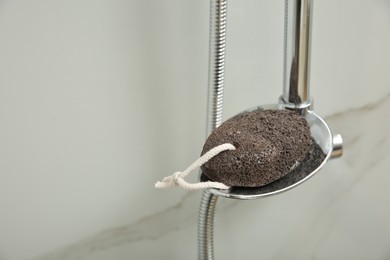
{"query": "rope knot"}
pixel 177 179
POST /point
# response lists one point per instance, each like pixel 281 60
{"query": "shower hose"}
pixel 217 49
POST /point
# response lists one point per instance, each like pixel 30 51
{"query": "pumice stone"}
pixel 269 144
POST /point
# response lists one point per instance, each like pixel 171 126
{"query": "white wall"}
pixel 100 99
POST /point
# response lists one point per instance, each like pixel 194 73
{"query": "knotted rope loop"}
pixel 177 179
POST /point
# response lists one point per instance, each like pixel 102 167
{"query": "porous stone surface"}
pixel 269 144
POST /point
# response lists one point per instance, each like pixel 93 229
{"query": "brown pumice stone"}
pixel 269 144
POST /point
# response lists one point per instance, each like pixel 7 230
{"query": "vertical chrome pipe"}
pixel 217 48
pixel 296 92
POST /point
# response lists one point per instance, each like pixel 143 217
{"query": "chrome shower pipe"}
pixel 297 46
pixel 217 49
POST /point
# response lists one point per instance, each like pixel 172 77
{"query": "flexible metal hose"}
pixel 217 50
pixel 206 226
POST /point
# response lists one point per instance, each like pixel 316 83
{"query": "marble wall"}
pixel 100 99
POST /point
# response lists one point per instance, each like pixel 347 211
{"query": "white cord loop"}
pixel 177 179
